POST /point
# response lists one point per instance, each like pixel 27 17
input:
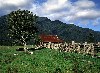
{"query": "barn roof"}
pixel 50 38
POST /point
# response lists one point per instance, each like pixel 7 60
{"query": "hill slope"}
pixel 67 32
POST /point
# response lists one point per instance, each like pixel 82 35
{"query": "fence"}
pixel 85 48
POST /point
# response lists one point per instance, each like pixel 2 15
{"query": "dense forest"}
pixel 67 32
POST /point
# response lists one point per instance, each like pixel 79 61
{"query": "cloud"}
pixel 55 5
pixel 69 12
pixel 88 14
pixel 84 11
pixel 10 2
pixel 7 6
pixel 96 22
pixel 84 4
pixel 53 9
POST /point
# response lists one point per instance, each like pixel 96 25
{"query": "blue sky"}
pixel 83 13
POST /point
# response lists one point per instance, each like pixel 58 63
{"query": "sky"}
pixel 83 13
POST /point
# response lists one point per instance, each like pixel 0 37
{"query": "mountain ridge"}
pixel 64 30
pixel 67 32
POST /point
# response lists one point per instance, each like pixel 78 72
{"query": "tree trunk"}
pixel 25 49
pixel 24 43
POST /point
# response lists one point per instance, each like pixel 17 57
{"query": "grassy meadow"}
pixel 46 61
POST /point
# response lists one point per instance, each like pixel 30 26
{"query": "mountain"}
pixel 67 32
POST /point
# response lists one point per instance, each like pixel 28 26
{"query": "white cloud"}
pixel 88 14
pixel 84 4
pixel 14 2
pixel 67 11
pixel 64 10
pixel 17 3
pixel 7 6
pixel 53 6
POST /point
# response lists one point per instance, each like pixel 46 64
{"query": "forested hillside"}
pixel 4 39
pixel 67 32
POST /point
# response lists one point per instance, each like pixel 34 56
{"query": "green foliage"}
pixel 21 25
pixel 90 38
pixel 46 61
pixel 67 32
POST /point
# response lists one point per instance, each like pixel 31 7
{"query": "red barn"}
pixel 50 38
pixel 50 41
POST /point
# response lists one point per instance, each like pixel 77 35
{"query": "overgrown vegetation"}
pixel 46 61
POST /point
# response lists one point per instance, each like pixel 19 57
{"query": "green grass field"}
pixel 46 61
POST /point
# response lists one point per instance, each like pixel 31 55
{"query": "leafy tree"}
pixel 21 25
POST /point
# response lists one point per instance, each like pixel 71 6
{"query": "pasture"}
pixel 46 61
